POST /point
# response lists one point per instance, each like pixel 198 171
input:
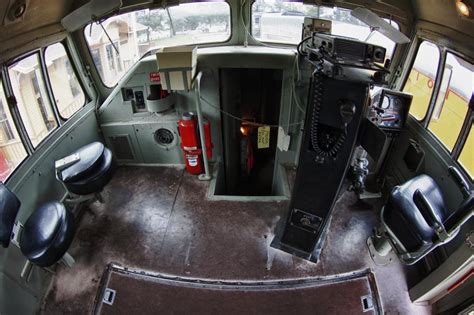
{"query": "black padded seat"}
pixel 406 220
pixel 91 173
pixel 9 206
pixel 90 156
pixel 47 234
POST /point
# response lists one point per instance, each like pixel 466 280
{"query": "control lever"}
pixel 460 181
pixel 429 215
pixel 378 110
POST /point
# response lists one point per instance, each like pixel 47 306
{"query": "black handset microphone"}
pixel 347 110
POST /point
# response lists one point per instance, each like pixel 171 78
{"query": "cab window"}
pixel 452 101
pixel 421 79
pixel 281 22
pixel 12 151
pixel 466 158
pixel 450 119
pixel 68 94
pixel 32 99
pixel 135 33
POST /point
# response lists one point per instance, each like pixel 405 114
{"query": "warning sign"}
pixel 263 137
pixel 155 77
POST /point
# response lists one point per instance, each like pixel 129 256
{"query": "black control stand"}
pixel 336 108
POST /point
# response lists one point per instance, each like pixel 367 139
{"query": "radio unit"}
pixel 347 49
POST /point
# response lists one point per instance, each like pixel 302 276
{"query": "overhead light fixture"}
pixel 463 8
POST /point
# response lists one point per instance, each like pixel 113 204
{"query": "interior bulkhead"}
pixel 262 157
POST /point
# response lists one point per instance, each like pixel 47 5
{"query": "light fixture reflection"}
pixel 462 8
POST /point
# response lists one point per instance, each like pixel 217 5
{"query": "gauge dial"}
pixel 385 102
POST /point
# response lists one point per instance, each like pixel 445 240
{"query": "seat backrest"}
pixel 463 213
pixel 9 206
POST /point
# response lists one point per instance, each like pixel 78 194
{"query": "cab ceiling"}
pixel 42 17
pixel 439 20
pixel 39 14
pixel 444 13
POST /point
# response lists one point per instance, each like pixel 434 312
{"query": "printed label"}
pixel 192 160
pixel 155 77
pixel 263 137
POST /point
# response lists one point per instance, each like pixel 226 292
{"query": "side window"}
pixel 466 158
pixel 32 100
pixel 12 151
pixel 452 101
pixel 421 79
pixel 67 91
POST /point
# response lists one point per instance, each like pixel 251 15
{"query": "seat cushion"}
pixel 90 156
pixel 404 218
pixel 97 178
pixel 9 206
pixel 47 234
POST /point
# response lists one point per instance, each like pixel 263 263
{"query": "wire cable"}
pixel 293 84
pixel 298 48
pixel 247 121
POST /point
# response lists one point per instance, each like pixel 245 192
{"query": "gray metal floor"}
pixel 159 219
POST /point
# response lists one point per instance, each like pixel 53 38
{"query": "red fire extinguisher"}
pixel 190 142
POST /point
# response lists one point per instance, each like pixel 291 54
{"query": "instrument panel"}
pixel 389 109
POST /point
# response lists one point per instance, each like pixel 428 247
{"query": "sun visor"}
pixel 88 12
pixel 380 25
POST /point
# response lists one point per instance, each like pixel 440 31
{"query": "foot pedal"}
pixel 376 258
pixel 109 296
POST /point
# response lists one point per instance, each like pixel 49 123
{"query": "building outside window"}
pixel 6 132
pixel 32 99
pixel 67 90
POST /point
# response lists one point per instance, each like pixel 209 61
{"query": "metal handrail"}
pixel 197 87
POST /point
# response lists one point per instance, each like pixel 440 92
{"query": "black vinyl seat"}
pixel 91 173
pixel 47 234
pixel 9 206
pixel 405 216
pixel 415 219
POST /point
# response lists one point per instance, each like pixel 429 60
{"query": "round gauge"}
pixel 397 104
pixel 385 102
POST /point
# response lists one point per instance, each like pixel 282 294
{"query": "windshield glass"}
pixel 135 33
pixel 281 22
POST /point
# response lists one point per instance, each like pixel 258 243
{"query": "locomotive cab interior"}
pixel 236 156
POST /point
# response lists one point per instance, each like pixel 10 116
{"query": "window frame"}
pixel 40 52
pixel 42 65
pixel 90 57
pixel 290 45
pixel 9 94
pixel 434 93
pixel 469 117
pixel 76 73
pixel 17 122
pixel 455 151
